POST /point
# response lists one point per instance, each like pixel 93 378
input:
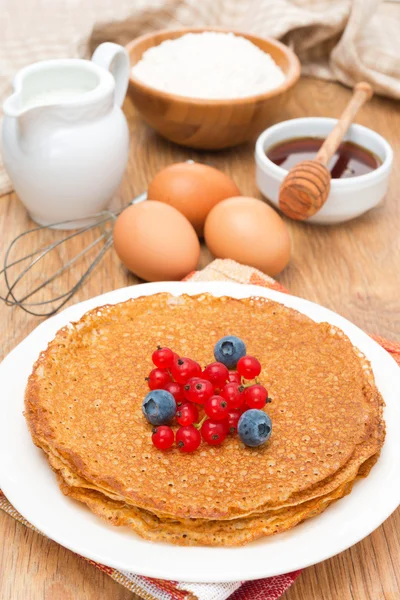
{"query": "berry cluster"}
pixel 207 404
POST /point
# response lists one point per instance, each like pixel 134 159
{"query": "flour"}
pixel 209 65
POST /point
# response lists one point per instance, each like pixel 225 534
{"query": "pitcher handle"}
pixel 114 58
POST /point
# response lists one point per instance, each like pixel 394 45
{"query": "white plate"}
pixel 31 487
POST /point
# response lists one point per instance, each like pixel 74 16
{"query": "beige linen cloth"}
pixel 343 40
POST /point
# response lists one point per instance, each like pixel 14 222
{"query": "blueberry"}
pixel 254 427
pixel 159 407
pixel 228 350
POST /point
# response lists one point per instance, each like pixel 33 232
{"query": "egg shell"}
pixel 250 232
pixel 192 188
pixel 156 242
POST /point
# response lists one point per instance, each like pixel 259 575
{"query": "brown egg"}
pixel 193 189
pixel 156 242
pixel 250 232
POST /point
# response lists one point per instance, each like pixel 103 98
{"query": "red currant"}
pixel 232 420
pixel 187 414
pixel 255 396
pixel 249 367
pixel 198 390
pixel 234 377
pixel 233 395
pixel 198 371
pixel 183 369
pixel 163 437
pixel 216 408
pixel 217 374
pixel 176 389
pixel 213 432
pixel 158 378
pixel 188 438
pixel 163 357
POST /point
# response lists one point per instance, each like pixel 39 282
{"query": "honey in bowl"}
pixel 350 159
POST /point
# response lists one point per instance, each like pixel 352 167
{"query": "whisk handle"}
pixel 141 198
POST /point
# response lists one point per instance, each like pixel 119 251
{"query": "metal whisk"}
pixel 13 283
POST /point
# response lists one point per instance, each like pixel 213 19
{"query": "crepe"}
pixel 83 407
pixel 205 531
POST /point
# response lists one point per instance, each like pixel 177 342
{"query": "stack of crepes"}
pixel 83 408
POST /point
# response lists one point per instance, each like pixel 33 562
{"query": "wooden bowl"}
pixel 211 124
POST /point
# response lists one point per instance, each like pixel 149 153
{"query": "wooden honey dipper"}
pixel 306 187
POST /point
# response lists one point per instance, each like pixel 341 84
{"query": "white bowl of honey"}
pixel 360 168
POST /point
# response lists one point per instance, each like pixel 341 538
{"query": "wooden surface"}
pixel 352 269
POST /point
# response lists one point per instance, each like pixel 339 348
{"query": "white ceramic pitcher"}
pixel 65 139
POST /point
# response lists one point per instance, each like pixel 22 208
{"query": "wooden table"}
pixel 351 268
